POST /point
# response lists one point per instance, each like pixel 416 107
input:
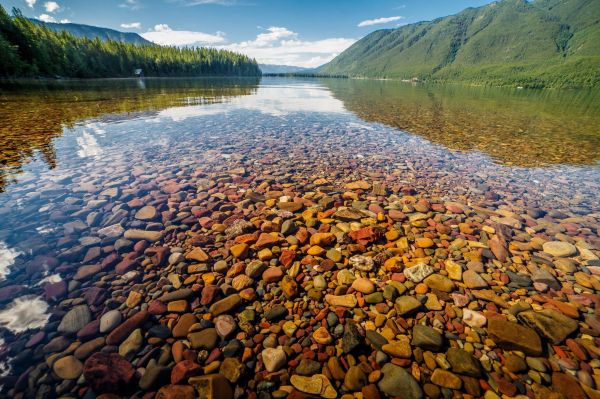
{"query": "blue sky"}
pixel 300 32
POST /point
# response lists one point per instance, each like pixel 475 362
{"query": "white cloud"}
pixel 164 35
pixel 46 18
pixel 65 21
pixel 132 25
pixel 51 6
pixel 131 4
pixel 204 2
pixel 30 3
pixel 279 45
pixel 377 21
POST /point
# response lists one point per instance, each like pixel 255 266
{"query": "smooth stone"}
pixel 317 384
pixel 439 282
pixel 355 379
pixel 204 339
pixel 150 236
pixel 146 213
pixel 75 319
pixel 473 280
pixel 132 344
pixel 176 392
pixel 406 304
pixel 274 359
pixel 225 305
pixel 446 379
pixel 363 285
pixel 68 368
pixel 473 318
pixel 427 338
pixel 462 362
pixel 348 300
pixel 110 320
pixel 512 336
pixel 398 382
pixel 559 249
pixel 550 324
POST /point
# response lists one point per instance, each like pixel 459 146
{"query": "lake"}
pixel 93 172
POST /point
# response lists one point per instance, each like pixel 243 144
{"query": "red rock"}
pixel 266 240
pixel 121 332
pixel 176 392
pixel 498 248
pixel 90 330
pixel 273 274
pixel 128 263
pixel 157 307
pixel 10 292
pixel 108 372
pixel 184 370
pixel 198 255
pixel 35 339
pixel 365 236
pixel 158 254
pixel 94 295
pixel 396 215
pixel 287 257
pixel 567 386
pixel 55 291
pixel 208 294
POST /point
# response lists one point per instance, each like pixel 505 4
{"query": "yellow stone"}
pixel 218 227
pixel 133 299
pixel 424 242
pixel 322 239
pixel 265 254
pixel 315 250
pixel 356 185
pixel 179 306
pixel 175 281
pixel 270 202
pixel 392 235
pixel 208 278
pixel 239 250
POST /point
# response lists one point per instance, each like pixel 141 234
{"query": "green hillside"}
pixel 92 32
pixel 509 42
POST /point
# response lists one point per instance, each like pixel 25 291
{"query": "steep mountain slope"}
pixel 539 43
pixel 91 32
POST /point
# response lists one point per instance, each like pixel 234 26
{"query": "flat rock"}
pixel 550 324
pixel 406 304
pixel 559 249
pixel 512 336
pixel 75 319
pixel 398 382
pixel 427 338
pixel 317 384
pixel 417 273
pixel 150 236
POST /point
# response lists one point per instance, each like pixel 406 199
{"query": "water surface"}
pixel 68 148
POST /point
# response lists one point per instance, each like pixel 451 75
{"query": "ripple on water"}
pixel 7 259
pixel 24 313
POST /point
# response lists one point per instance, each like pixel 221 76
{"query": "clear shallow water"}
pixel 68 149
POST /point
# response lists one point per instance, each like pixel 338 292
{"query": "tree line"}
pixel 31 50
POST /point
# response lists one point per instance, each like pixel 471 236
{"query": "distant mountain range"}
pixel 273 68
pixel 91 32
pixel 517 42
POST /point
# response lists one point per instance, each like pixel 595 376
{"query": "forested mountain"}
pixel 30 49
pixel 273 68
pixel 92 32
pixel 516 42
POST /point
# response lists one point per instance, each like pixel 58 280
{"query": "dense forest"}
pixel 28 49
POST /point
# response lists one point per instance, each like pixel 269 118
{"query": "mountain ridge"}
pixel 91 32
pixel 514 42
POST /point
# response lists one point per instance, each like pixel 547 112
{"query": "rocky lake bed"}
pixel 271 244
